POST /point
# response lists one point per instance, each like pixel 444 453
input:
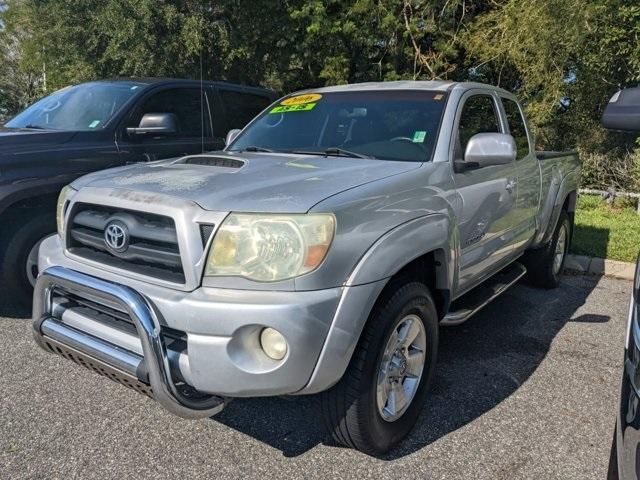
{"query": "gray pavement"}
pixel 526 389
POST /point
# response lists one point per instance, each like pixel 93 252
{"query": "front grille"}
pixel 112 316
pixel 150 243
pixel 205 233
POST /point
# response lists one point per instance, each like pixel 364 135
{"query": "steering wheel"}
pixel 278 121
pixel 52 106
pixel 401 139
pixel 418 145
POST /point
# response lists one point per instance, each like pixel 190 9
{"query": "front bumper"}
pixel 216 331
pixel 151 369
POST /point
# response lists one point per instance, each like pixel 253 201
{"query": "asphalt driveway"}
pixel 526 389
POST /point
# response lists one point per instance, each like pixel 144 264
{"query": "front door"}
pixel 191 107
pixel 488 196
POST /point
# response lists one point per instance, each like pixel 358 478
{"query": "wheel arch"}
pixel 565 198
pixel 367 286
pixel 45 202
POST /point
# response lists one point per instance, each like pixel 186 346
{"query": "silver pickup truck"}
pixel 319 252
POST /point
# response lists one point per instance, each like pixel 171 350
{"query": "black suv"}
pixel 93 126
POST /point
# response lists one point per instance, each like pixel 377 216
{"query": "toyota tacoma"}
pixel 319 252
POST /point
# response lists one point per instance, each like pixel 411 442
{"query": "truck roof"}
pixel 437 85
pixel 165 81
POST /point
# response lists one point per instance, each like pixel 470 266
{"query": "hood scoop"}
pixel 211 161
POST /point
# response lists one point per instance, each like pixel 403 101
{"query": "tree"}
pixel 20 78
pixel 563 58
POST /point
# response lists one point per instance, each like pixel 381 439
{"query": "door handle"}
pixel 510 186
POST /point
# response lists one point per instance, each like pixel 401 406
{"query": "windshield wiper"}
pixel 332 152
pixel 34 127
pixel 253 148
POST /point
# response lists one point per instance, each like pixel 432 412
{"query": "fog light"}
pixel 273 343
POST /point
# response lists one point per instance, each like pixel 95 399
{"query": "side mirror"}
pixel 485 149
pixel 231 136
pixel 623 111
pixel 159 124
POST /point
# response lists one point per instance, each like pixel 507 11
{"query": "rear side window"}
pixel 516 127
pixel 187 104
pixel 479 115
pixel 242 107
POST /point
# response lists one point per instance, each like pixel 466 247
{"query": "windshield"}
pixel 83 107
pixel 385 124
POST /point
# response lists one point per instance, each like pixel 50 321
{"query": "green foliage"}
pixel 602 170
pixel 606 231
pixel 563 58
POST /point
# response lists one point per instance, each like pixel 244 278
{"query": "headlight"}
pixel 268 248
pixel 65 194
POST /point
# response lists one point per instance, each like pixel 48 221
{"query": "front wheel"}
pixel 378 400
pixel 19 261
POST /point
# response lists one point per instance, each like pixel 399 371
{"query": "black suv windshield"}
pixel 385 124
pixel 82 107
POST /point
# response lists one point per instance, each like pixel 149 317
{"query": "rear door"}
pixel 192 108
pixel 528 174
pixel 488 194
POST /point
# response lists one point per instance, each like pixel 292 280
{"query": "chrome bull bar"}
pixel 153 368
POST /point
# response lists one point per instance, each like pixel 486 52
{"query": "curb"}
pixel 600 266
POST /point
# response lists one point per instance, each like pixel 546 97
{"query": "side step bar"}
pixel 108 359
pixel 472 302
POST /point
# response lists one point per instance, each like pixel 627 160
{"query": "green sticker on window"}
pixel 419 136
pixel 293 108
pixel 94 124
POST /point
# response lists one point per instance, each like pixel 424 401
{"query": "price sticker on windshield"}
pixel 302 99
pixel 293 108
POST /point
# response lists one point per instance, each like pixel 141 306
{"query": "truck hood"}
pixel 15 139
pixel 248 182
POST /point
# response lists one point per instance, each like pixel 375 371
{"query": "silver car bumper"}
pixel 210 335
pixel 150 374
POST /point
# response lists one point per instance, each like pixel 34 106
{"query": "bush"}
pixel 604 170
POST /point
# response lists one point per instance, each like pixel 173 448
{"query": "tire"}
pixel 351 409
pixel 17 247
pixel 544 269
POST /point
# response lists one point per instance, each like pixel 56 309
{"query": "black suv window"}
pixel 187 104
pixel 242 107
pixel 516 127
pixel 479 115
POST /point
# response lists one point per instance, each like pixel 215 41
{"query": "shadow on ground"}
pixel 8 308
pixel 590 241
pixel 481 363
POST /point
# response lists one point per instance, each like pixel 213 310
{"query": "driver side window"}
pixel 479 115
pixel 189 105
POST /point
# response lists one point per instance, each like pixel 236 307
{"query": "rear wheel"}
pixel 545 265
pixel 378 400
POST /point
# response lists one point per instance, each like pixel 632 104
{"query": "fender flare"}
pixel 386 257
pixel 37 188
pixel 568 185
pixel 405 243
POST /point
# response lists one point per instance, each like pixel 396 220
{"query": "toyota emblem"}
pixel 116 236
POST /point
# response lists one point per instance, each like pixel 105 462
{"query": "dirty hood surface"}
pixel 248 182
